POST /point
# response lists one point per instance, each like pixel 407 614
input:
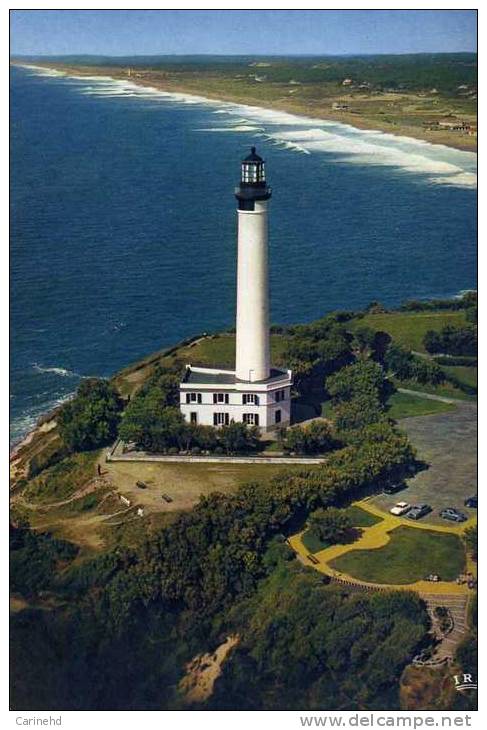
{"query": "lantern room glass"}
pixel 253 173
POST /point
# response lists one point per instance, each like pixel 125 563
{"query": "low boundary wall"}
pixel 116 453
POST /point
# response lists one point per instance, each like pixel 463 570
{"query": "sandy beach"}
pixel 320 110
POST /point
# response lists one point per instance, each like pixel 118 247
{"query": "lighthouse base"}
pixel 213 397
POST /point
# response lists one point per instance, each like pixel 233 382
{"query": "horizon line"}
pixel 238 55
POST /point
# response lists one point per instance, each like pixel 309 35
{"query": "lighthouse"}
pixel 253 195
pixel 255 392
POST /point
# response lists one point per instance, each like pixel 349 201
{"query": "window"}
pixel 280 395
pixel 220 398
pixel 221 419
pixel 251 419
pixel 193 397
pixel 250 398
pixel 278 415
pixel 194 417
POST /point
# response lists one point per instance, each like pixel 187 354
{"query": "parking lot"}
pixel 448 443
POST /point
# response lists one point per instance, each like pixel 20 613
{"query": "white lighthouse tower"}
pixel 254 393
pixel 253 194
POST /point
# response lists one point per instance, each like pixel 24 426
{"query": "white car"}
pixel 400 509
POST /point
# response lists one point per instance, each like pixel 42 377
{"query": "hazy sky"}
pixel 127 32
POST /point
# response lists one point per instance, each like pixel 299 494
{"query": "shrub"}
pixel 452 340
pixel 90 420
pixel 238 438
pixel 315 438
pixel 406 366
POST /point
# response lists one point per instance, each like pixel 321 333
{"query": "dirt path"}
pixel 203 671
pixel 92 486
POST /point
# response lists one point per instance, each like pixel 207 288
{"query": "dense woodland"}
pixel 121 625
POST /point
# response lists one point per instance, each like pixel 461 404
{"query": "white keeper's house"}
pixel 254 393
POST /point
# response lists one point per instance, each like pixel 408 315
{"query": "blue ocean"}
pixel 123 223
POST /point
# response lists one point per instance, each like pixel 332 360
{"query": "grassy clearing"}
pixel 409 328
pixel 410 555
pixel 185 483
pixel 403 405
pixel 60 481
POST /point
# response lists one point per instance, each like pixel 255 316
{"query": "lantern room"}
pixel 253 184
pixel 253 169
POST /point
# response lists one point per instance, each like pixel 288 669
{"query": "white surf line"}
pixel 437 163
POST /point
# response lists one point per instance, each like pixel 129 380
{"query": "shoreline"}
pixel 350 119
pixel 84 72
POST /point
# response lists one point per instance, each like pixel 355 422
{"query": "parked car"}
pixel 393 488
pixel 400 508
pixel 452 514
pixel 471 501
pixel 418 511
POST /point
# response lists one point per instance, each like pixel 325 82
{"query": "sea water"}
pixel 123 223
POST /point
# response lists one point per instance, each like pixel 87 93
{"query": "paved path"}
pixel 447 594
pixel 457 605
pixel 431 396
pixel 375 537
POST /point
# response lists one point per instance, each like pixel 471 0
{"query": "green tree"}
pixel 404 365
pixel 330 525
pixel 362 378
pixel 153 426
pixel 90 420
pixel 452 340
pixel 237 437
pixel 315 438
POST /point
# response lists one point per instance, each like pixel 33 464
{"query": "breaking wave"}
pixel 62 372
pixel 437 164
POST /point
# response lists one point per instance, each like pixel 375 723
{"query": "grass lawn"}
pixel 409 328
pixel 410 556
pixel 467 375
pixel 220 351
pixel 359 517
pixel 444 389
pixel 312 542
pixel 403 405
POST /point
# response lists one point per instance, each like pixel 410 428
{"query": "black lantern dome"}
pixel 253 184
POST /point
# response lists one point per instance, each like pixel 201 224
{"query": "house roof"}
pixel 207 377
